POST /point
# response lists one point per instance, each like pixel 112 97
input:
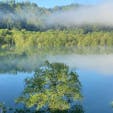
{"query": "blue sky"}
pixel 52 3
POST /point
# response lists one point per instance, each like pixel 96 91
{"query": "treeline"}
pixel 24 41
pixel 28 46
pixel 21 16
pixel 29 16
pixel 26 15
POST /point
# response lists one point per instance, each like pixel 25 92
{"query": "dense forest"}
pixel 24 35
pixel 27 40
pixel 27 15
pixel 24 31
pixel 23 41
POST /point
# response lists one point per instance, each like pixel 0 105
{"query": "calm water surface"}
pixel 11 86
pixel 96 89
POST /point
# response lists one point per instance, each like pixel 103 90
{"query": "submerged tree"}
pixel 53 86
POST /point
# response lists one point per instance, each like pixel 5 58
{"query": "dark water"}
pixel 95 74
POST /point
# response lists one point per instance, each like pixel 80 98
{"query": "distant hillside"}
pixel 26 15
pixel 31 17
pixel 21 16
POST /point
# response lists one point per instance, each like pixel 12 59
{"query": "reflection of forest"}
pixel 13 63
pixel 21 63
pixel 53 88
pixel 77 109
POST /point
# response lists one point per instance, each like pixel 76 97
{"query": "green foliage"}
pixel 29 16
pixel 3 108
pixel 20 16
pixel 52 85
pixel 26 15
pixel 73 40
pixel 29 42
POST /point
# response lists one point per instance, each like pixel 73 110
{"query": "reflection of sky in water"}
pixel 97 91
pixel 11 86
pixel 96 87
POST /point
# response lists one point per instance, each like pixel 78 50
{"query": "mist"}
pixel 20 16
pixel 20 64
pixel 102 64
pixel 100 14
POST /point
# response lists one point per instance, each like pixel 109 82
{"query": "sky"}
pixel 53 3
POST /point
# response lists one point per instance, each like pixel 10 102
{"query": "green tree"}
pixel 54 86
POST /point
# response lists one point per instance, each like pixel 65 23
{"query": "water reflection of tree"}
pixel 54 88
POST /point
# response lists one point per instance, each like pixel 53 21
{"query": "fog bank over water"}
pixel 96 14
pixel 99 63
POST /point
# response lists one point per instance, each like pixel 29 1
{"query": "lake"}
pixel 95 74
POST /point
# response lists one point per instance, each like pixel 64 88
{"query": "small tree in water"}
pixel 53 86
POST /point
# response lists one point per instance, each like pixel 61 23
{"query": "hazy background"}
pixel 89 14
pixel 97 13
pixel 100 63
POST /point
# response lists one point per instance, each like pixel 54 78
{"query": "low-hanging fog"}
pixel 102 64
pixel 100 14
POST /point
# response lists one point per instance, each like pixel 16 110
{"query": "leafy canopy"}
pixel 52 85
